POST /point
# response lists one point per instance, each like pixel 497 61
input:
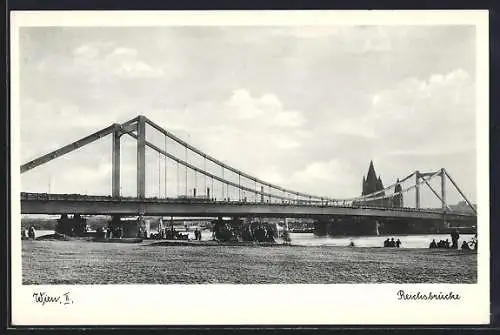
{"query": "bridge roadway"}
pixel 40 203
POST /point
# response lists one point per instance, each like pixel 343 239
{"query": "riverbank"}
pixel 309 239
pixel 211 243
pixel 78 262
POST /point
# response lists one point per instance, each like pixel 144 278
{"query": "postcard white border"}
pixel 287 304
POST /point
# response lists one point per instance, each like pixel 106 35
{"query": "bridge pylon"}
pixel 115 187
pixel 444 206
pixel 141 157
pixel 417 189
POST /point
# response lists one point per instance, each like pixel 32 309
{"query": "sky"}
pixel 305 107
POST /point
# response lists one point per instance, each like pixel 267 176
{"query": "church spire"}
pixel 371 183
pixel 371 172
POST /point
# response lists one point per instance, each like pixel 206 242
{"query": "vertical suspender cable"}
pixel 186 157
pixel 159 175
pixel 195 181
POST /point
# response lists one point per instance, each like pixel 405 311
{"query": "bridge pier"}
pixel 446 223
pixel 322 226
pixel 347 226
pixel 114 227
pixel 118 228
pixel 75 226
pixel 218 224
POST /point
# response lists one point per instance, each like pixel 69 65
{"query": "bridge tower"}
pixel 417 189
pixel 443 196
pixel 115 163
pixel 138 124
pixel 141 157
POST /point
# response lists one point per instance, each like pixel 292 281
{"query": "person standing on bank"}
pixel 31 232
pixel 454 239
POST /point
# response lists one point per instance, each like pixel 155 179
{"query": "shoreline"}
pixel 216 243
pixel 212 243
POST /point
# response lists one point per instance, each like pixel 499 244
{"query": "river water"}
pixel 309 239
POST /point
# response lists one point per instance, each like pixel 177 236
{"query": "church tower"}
pixel 397 200
pixel 371 182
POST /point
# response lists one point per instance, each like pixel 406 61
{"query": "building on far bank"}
pixel 371 184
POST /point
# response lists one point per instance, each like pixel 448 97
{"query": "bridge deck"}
pixel 38 203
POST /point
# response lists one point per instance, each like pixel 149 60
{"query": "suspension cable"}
pixel 270 195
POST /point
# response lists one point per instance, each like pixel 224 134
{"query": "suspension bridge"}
pixel 218 189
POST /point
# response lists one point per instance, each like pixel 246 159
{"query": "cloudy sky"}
pixel 305 107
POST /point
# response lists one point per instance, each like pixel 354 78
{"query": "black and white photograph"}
pixel 303 154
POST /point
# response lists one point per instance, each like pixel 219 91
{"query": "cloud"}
pixel 86 51
pixel 242 105
pixel 433 114
pixel 100 62
pixel 276 102
pixel 125 62
pixel 327 177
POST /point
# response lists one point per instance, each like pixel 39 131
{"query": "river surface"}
pixel 309 239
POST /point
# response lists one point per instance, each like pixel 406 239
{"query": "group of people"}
pixel 391 243
pixel 445 244
pixel 442 244
pixel 168 234
pixel 256 232
pixel 31 233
